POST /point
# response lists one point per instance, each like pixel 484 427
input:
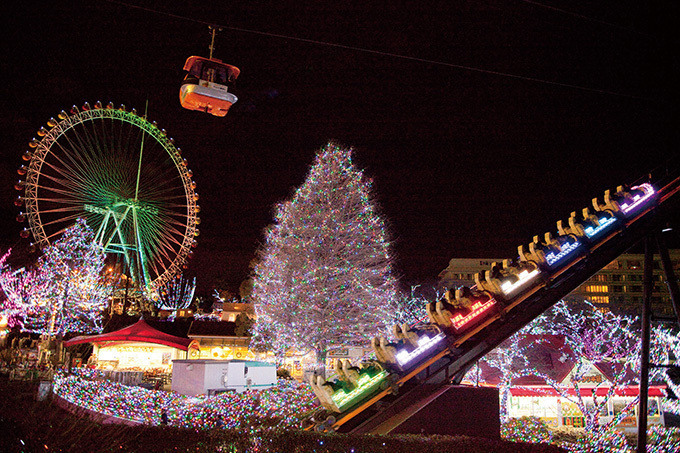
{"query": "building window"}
pixel 618 277
pixel 597 288
pixel 604 300
pixel 599 278
pixel 634 264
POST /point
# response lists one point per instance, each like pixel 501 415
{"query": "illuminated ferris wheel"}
pixel 125 177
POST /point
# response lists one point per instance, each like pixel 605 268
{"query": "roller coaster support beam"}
pixel 648 283
pixel 644 353
pixel 671 279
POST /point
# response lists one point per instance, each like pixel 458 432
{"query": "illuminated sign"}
pixel 638 199
pixel 523 277
pixel 552 257
pixel 603 223
pixel 476 310
pixel 365 384
pixel 425 343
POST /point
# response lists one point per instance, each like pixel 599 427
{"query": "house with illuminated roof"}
pixel 531 396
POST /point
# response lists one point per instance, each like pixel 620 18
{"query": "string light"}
pixel 284 405
pixel 176 294
pixel 66 291
pixel 324 278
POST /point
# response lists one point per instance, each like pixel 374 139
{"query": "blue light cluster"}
pixel 552 258
pixel 603 223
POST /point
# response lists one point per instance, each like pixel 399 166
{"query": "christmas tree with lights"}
pixel 324 279
pixel 66 291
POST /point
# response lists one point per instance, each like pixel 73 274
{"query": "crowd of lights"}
pixel 425 343
pixel 476 310
pixel 284 405
pixel 638 199
pixel 565 249
pixel 532 430
pixel 526 429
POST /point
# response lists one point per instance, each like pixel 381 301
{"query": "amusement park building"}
pixel 200 339
pixel 530 396
pixel 617 287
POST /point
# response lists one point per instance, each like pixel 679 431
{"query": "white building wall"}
pixel 205 377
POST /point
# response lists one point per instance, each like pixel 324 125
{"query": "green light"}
pixel 366 384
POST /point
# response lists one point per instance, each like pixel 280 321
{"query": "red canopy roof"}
pixel 139 332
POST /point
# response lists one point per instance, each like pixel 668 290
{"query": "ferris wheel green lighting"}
pixel 123 175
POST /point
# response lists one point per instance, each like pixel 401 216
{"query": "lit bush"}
pixel 526 429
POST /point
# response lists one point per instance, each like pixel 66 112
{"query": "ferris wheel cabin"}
pixel 206 85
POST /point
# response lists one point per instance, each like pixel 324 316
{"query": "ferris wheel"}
pixel 125 177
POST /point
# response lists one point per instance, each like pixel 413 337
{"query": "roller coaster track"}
pixel 403 391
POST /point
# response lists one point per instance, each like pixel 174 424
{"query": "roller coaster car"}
pixel 553 251
pixel 624 200
pixel 587 227
pixel 347 372
pixel 324 391
pixel 206 85
pixel 439 311
pixel 479 304
pixel 514 275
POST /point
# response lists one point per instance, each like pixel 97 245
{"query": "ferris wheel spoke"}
pixel 88 167
pixel 74 167
pixel 61 185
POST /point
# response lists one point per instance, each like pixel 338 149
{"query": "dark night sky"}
pixel 481 122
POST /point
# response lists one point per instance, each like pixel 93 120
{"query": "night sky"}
pixel 481 123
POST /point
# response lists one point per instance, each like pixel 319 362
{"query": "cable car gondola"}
pixel 206 84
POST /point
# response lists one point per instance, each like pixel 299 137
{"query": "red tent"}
pixel 140 332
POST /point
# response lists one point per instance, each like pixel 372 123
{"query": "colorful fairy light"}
pixel 526 429
pixel 324 278
pixel 284 405
pixel 66 291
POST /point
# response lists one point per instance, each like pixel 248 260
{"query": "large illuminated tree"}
pixel 324 277
pixel 65 291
